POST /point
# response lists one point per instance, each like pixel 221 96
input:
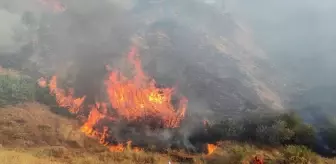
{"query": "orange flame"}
pixel 137 149
pixel 117 148
pixel 94 117
pixel 121 147
pixel 139 98
pixel 74 105
pixel 211 148
pixel 133 99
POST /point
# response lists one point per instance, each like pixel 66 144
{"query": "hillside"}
pixel 149 81
pixel 31 134
pixel 180 43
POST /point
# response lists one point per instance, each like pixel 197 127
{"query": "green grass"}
pixel 16 89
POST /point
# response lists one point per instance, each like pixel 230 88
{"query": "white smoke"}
pixel 8 22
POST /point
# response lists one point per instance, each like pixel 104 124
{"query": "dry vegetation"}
pixel 30 124
pixel 31 133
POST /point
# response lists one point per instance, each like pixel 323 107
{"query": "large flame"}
pixel 135 99
pixel 138 98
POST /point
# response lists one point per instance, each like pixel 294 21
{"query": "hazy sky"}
pixel 9 20
pixel 299 35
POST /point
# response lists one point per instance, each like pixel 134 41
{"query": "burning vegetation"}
pixel 211 148
pixel 136 112
pixel 135 101
pixel 139 99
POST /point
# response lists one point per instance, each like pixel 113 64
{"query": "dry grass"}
pixel 15 157
pixel 31 134
pixel 32 124
pixel 235 153
pixel 230 153
pixel 57 155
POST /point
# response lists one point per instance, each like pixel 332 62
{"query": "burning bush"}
pixel 139 98
pixel 135 102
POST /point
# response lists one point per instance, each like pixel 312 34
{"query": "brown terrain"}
pixel 31 134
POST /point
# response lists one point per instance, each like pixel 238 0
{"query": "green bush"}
pixel 274 134
pixel 304 135
pixel 19 89
pixel 43 96
pixel 299 155
pixel 240 153
pixel 290 129
pixel 273 130
pixel 16 89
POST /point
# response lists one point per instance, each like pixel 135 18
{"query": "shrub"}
pixel 304 135
pixel 274 134
pixel 299 155
pixel 16 89
pixel 274 130
pixel 239 154
pixel 43 96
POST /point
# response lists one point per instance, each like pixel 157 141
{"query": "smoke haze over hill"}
pixel 228 58
pixel 296 39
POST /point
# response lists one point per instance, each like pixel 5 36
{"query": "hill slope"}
pixel 30 133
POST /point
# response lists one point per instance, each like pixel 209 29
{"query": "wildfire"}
pixel 94 117
pixel 117 148
pixel 139 98
pixel 135 99
pixel 211 148
pixel 64 99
